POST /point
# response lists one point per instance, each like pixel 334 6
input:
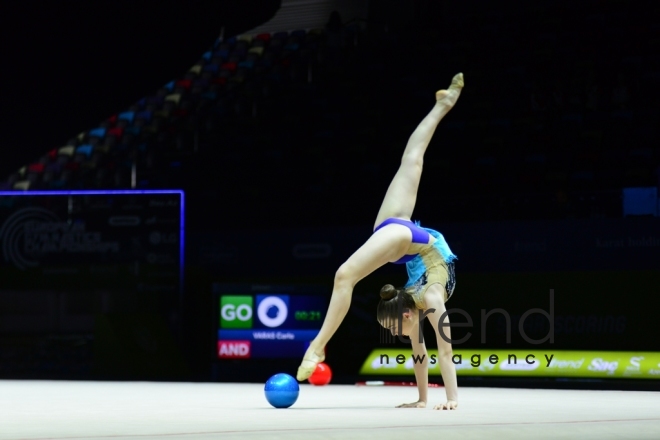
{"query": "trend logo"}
pixel 13 236
pixel 272 310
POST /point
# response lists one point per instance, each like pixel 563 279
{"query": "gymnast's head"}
pixel 395 303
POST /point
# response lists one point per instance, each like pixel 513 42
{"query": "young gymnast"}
pixel 429 262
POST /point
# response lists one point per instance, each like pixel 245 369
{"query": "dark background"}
pixel 524 177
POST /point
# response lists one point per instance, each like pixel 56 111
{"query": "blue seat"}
pixel 85 149
pixel 133 130
pixel 146 115
pixel 207 55
pixel 97 132
pixel 126 116
pixel 169 86
pixel 221 53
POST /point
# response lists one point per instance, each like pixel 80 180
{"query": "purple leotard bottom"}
pixel 419 235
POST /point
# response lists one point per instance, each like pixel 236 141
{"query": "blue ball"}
pixel 282 390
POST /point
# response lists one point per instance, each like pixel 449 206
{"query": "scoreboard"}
pixel 267 321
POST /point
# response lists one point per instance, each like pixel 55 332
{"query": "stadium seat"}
pixel 183 84
pixel 37 168
pixel 97 132
pixel 263 37
pixel 126 116
pixel 212 68
pixel 174 97
pixel 133 130
pixel 116 132
pixel 143 116
pixel 85 150
pixel 229 66
pixel 221 53
pixel 67 150
pixel 22 185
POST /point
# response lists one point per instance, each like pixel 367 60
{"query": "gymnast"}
pixel 429 263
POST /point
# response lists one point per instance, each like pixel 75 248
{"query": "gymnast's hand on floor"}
pixel 418 404
pixel 451 404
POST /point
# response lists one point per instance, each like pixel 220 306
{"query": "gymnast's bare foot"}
pixel 309 363
pixel 450 96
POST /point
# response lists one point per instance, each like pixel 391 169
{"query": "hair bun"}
pixel 387 292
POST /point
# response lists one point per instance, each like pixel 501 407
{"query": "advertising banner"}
pixel 561 245
pixel 84 239
pixel 521 363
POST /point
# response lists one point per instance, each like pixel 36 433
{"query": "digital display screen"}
pixel 268 322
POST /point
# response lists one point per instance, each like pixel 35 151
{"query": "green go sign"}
pixel 236 311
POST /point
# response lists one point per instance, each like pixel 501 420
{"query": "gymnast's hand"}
pixel 451 404
pixel 418 404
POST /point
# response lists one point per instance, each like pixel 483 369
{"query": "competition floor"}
pixel 139 410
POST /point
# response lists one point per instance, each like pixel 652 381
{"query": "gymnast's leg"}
pixel 402 193
pixel 387 244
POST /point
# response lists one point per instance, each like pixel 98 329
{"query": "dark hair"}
pixel 393 302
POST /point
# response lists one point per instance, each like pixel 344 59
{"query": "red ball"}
pixel 321 376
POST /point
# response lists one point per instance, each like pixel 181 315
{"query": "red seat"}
pixel 117 132
pixel 263 37
pixel 229 66
pixel 184 84
pixel 36 168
